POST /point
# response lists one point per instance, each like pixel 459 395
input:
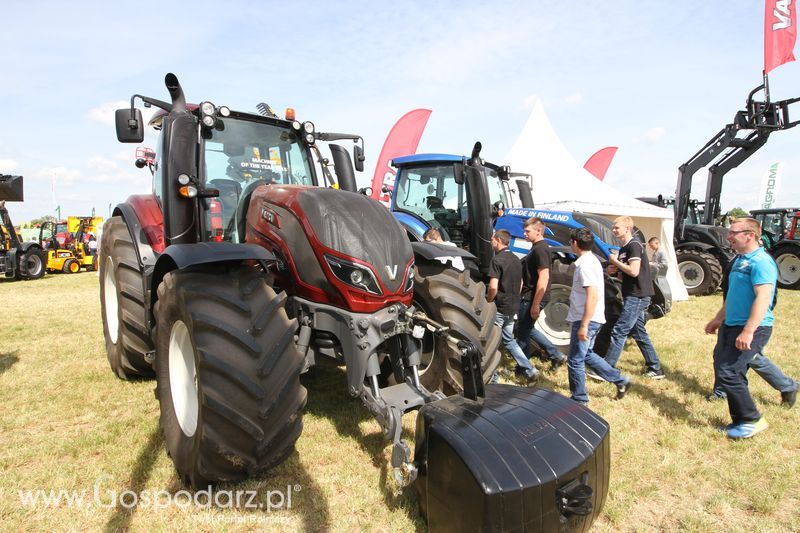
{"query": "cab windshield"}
pixel 241 152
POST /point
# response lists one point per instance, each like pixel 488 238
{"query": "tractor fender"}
pixel 458 258
pixel 25 246
pixel 697 245
pixel 145 254
pixel 431 251
pixel 183 256
pixel 414 225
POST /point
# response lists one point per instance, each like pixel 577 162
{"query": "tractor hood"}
pixel 327 234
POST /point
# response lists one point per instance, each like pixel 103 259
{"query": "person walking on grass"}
pixel 505 280
pixel 536 293
pixel 632 266
pixel 586 316
pixel 744 325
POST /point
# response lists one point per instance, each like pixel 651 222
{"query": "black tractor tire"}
pixel 71 266
pixel 122 303
pixel 700 271
pixel 227 375
pixel 553 317
pixel 454 299
pixel 35 261
pixel 788 259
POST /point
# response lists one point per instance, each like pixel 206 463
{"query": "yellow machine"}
pixel 67 243
pixel 60 257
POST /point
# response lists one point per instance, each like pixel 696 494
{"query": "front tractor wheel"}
pixel 122 303
pixel 71 266
pixel 788 260
pixel 453 299
pixel 553 317
pixel 700 271
pixel 227 375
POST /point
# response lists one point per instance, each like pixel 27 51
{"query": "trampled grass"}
pixel 68 424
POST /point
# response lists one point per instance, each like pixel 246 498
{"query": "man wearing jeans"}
pixel 535 289
pixel 744 325
pixel 632 266
pixel 505 280
pixel 587 315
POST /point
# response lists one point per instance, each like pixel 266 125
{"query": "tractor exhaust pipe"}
pixel 175 92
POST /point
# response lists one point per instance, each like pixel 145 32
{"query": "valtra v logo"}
pixel 392 271
pixel 782 14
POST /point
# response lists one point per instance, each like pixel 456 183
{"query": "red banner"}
pixel 598 164
pixel 403 139
pixel 780 33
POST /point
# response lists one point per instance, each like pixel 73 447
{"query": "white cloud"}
pixel 8 165
pixel 101 164
pixel 62 175
pixel 652 135
pixel 574 98
pixel 104 113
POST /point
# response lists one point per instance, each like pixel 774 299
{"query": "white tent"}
pixel 560 183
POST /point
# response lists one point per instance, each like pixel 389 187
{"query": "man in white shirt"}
pixel 587 316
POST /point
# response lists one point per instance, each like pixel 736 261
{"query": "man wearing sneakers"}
pixel 535 292
pixel 587 315
pixel 744 325
pixel 505 279
pixel 633 267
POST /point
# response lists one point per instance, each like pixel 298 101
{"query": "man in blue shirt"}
pixel 744 325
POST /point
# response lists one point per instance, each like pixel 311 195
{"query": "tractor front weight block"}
pixel 520 459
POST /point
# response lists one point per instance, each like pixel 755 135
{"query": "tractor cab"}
pixel 236 153
pixel 777 224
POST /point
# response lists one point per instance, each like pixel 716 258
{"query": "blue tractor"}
pixel 466 199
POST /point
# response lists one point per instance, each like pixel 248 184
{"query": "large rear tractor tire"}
pixel 122 303
pixel 700 271
pixel 228 375
pixel 788 260
pixel 553 318
pixel 454 299
pixel 34 262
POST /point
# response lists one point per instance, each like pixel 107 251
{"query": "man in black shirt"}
pixel 536 293
pixel 632 266
pixel 505 279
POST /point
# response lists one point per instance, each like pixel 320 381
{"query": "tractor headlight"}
pixel 183 179
pixel 296 125
pixel 352 274
pixel 209 121
pixel 310 138
pixel 224 111
pixel 409 279
pixel 308 127
pixel 207 108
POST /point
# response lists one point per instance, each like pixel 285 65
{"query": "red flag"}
pixel 403 139
pixel 598 164
pixel 780 33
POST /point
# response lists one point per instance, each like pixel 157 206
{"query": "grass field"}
pixel 68 424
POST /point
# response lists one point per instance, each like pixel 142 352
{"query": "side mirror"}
pixel 358 158
pixel 130 128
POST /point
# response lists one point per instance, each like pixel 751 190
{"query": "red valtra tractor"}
pixel 240 270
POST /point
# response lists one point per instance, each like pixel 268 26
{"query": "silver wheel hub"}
pixel 183 378
pixel 691 273
pixel 110 301
pixel 788 268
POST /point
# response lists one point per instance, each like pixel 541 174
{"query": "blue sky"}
pixel 656 79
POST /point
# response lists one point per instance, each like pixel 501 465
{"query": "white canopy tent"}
pixel 560 183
